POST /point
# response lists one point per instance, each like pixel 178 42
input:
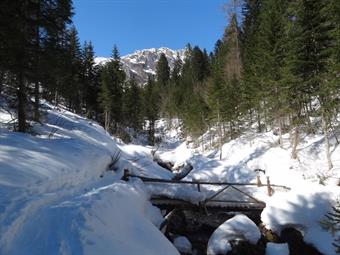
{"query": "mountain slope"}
pixel 142 63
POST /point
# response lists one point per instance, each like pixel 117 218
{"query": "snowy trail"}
pixel 53 200
pixel 24 207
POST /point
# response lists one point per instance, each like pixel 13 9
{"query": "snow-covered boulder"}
pixel 277 249
pixel 304 210
pixel 183 244
pixel 238 227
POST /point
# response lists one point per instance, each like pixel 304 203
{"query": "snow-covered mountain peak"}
pixel 142 63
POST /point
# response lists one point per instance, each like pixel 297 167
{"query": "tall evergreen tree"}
pixel 89 80
pixel 151 107
pixel 110 98
pixel 162 71
pixel 132 105
pixel 313 60
pixel 72 87
pixel 163 82
pixel 23 43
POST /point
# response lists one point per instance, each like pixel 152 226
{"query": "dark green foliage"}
pixel 90 81
pixel 191 104
pixel 151 107
pixel 332 224
pixel 162 71
pixel 72 89
pixel 132 106
pixel 29 31
pixel 284 56
pixel 111 93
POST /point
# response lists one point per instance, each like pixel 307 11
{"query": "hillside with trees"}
pixel 83 143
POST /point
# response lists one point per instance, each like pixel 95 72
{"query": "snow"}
pixel 112 218
pixel 138 160
pixel 58 198
pixel 303 209
pixel 238 227
pixel 183 244
pixel 142 63
pixel 313 187
pixel 277 249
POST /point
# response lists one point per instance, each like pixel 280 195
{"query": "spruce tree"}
pixel 250 87
pixel 89 80
pixel 174 91
pixel 162 71
pixel 132 105
pixel 72 87
pixel 151 107
pixel 23 44
pixel 314 58
pixel 163 82
pixel 110 97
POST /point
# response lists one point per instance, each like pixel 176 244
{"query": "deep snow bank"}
pixel 53 200
pixel 114 219
pixel 303 209
pixel 314 188
pixel 238 227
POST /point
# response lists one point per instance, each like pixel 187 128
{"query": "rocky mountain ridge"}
pixel 142 63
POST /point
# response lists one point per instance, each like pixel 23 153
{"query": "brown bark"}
pixel 325 132
pixel 280 132
pixel 295 143
pixel 21 93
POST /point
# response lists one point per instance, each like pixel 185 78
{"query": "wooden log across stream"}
pixel 251 204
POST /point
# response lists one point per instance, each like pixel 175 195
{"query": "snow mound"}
pixel 277 249
pixel 182 244
pixel 238 227
pixel 304 210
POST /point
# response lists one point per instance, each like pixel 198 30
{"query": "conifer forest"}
pixel 83 141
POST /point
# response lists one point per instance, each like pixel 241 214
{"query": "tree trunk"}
pixel 295 142
pixel 151 137
pixel 21 94
pixel 259 129
pixel 280 132
pixel 56 98
pixel 309 123
pixel 250 118
pixel 325 131
pixel 2 76
pixel 36 114
pixel 220 132
pixel 334 133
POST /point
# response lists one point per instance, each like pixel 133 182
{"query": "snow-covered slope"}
pixel 142 63
pixel 314 189
pixel 56 196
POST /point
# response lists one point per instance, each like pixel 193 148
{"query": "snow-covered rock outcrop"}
pixel 142 63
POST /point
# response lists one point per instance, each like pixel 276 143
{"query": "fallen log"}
pixel 186 169
pixel 164 164
pixel 168 165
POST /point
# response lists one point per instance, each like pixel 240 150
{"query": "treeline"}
pixel 41 58
pixel 279 69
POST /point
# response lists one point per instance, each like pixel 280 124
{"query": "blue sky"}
pixel 140 24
